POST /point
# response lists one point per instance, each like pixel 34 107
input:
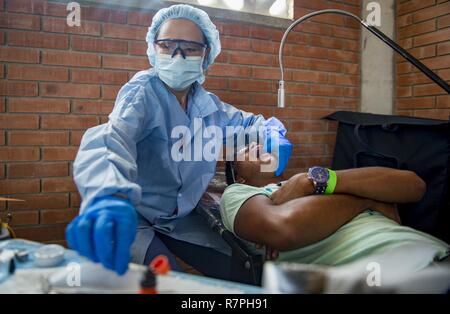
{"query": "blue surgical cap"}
pixel 184 11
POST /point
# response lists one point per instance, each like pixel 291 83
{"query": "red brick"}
pixel 42 233
pixel 109 92
pixel 264 46
pixel 21 218
pixel 58 185
pixel 57 25
pixel 323 65
pixel 417 28
pixel 125 63
pixel 139 18
pixel 416 103
pixel 75 137
pixel 70 90
pixel 37 73
pixel 59 153
pixel 39 40
pixel 38 138
pixel 138 48
pixel 306 52
pixel 434 37
pixel 2 174
pixel 344 103
pixel 426 90
pixel 342 55
pixel 99 45
pixel 13 121
pixel 444 74
pixel 260 32
pixel 8 88
pixel 328 42
pixel 71 59
pixel 310 76
pixel 404 91
pixel 326 90
pixel 233 98
pixel 412 79
pixel 235 30
pixel 37 7
pixel 443 101
pixel 41 201
pixel 37 170
pixel 227 70
pixel 444 21
pixel 251 58
pixel 214 83
pixel 39 105
pixel 68 122
pixel 298 113
pixel 24 55
pixel 269 73
pixel 124 31
pixel 57 216
pixel 235 43
pixel 75 199
pixel 296 88
pixel 308 125
pixel 104 14
pixel 92 107
pixel 250 85
pixel 296 63
pixel 345 33
pixel 26 6
pixel 443 48
pixel 19 186
pixel 2 137
pixel 429 13
pixel 342 79
pixel 441 114
pixel 20 21
pixel 308 101
pixel 438 62
pixel 404 20
pixel 351 92
pixel 414 5
pixel 99 77
pixel 422 52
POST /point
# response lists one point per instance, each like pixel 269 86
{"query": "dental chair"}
pixel 246 265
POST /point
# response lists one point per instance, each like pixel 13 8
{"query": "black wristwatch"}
pixel 319 177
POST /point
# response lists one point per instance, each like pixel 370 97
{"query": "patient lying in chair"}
pixel 357 221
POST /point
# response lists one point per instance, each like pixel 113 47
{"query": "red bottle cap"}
pixel 160 265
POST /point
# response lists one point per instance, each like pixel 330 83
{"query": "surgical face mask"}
pixel 179 73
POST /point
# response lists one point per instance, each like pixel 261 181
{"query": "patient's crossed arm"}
pixel 307 219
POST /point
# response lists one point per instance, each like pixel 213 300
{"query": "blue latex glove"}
pixel 275 128
pixel 104 232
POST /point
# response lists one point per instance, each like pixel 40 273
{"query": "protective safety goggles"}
pixel 187 48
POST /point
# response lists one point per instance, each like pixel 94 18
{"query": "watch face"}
pixel 319 174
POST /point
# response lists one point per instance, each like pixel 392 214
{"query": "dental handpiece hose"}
pixel 380 35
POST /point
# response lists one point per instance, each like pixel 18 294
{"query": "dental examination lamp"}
pixel 405 54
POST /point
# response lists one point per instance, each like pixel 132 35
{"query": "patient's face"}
pixel 252 164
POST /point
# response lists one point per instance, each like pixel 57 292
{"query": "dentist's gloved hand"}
pixel 104 232
pixel 274 129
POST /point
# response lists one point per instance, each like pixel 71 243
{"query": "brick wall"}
pixel 57 81
pixel 423 27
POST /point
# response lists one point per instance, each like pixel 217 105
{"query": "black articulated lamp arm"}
pixel 405 54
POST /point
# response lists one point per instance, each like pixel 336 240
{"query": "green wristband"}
pixel 332 181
